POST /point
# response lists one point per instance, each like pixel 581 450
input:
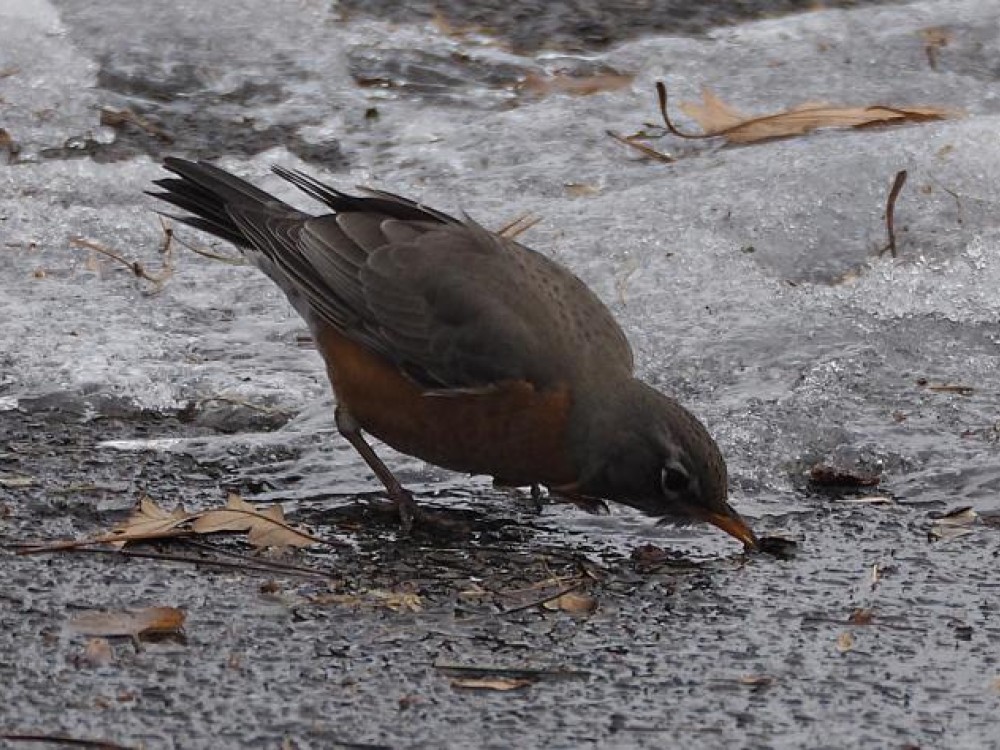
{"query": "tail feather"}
pixel 208 193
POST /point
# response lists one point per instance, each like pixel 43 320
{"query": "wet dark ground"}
pixel 726 651
pixel 582 25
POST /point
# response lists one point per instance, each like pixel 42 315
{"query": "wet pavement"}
pixel 748 279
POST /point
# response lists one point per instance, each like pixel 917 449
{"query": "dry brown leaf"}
pixel 491 683
pixel 564 83
pixel 266 526
pixel 845 642
pixel 148 521
pixel 720 119
pixel 573 603
pixel 132 623
pixel 713 114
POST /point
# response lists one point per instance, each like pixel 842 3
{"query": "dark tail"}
pixel 208 193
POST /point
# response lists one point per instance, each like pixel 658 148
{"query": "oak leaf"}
pixel 266 527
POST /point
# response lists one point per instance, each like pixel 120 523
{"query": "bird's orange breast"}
pixel 514 432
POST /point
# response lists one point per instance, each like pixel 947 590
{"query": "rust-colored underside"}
pixel 513 432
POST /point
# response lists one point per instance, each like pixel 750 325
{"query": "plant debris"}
pixel 265 527
pixel 961 390
pixel 491 683
pixel 572 603
pixel 542 84
pixel 952 524
pixel 157 279
pixel 935 38
pixel 827 475
pixel 131 623
pixel 721 120
pixel 118 118
pixel 890 212
pixel 845 641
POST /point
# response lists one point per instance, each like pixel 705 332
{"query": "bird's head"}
pixel 658 458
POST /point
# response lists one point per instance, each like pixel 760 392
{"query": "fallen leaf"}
pixel 148 521
pixel 573 603
pixel 845 642
pixel 132 623
pixel 491 683
pixel 953 524
pixel 576 85
pixel 720 119
pixel 266 526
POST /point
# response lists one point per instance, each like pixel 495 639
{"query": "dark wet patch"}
pixel 531 25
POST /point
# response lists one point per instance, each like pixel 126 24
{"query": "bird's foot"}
pixel 414 518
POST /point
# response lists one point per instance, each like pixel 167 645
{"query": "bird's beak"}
pixel 733 524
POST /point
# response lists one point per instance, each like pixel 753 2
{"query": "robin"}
pixel 466 349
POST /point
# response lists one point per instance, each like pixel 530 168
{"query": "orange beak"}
pixel 734 525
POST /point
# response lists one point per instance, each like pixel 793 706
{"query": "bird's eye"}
pixel 673 479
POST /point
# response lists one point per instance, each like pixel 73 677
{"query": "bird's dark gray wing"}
pixel 455 305
pixel 452 304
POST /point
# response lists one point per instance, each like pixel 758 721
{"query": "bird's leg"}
pixel 400 497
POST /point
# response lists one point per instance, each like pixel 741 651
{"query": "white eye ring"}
pixel 674 479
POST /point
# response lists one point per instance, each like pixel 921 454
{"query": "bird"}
pixel 464 348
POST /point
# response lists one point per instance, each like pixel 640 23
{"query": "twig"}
pixel 511 671
pixel 518 226
pixel 642 148
pixel 62 739
pixel 890 210
pixel 234 260
pixel 661 94
pixel 263 567
pixel 115 118
pixel 158 280
pixel 276 564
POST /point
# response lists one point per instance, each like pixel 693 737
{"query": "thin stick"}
pixel 241 565
pixel 233 260
pixel 661 94
pixel 890 211
pixel 518 226
pixel 642 148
